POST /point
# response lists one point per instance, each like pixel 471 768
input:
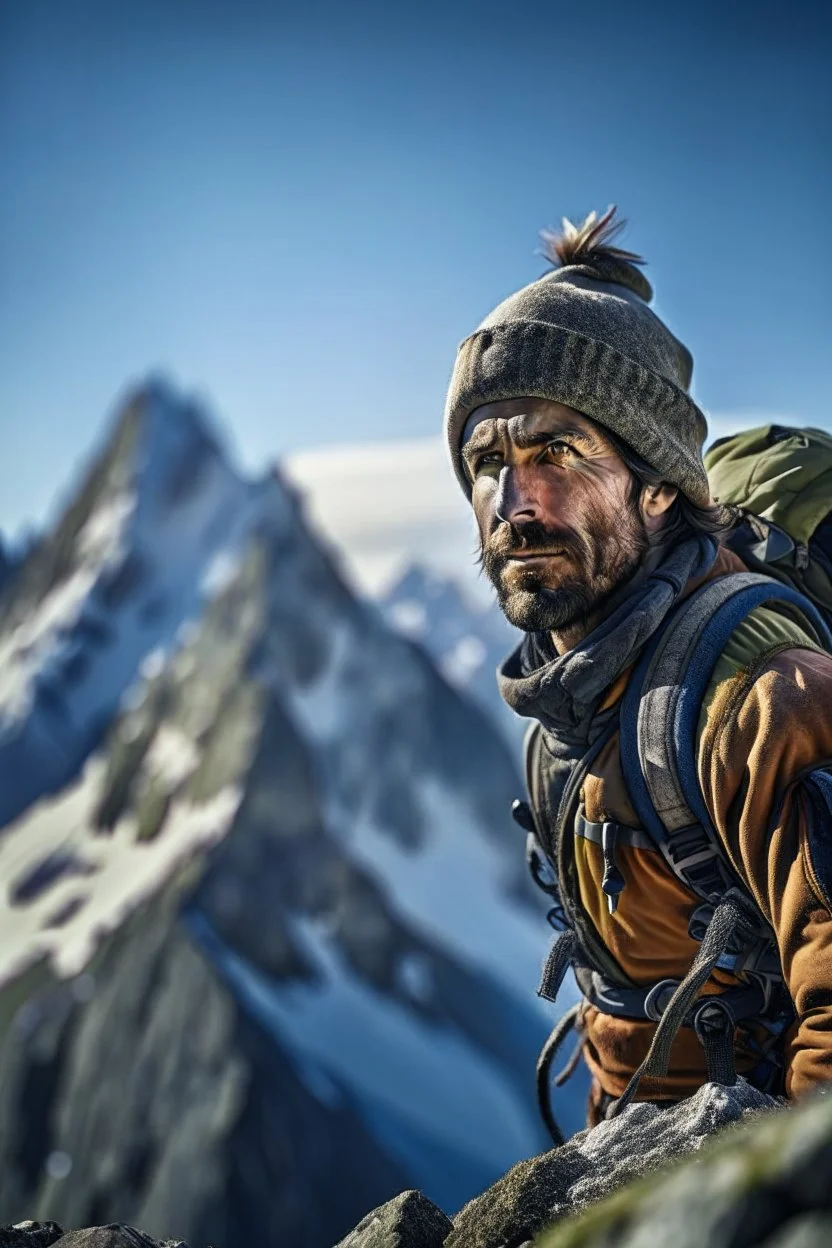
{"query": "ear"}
pixel 655 502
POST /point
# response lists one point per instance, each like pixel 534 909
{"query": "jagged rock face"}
pixel 745 1180
pixel 349 926
pixel 143 1093
pixel 129 560
pixel 762 1184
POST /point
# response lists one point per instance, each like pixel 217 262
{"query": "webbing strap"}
pixel 729 916
pixel 715 1029
pixel 743 1002
pixel 624 835
pixel 548 1054
pixel 562 953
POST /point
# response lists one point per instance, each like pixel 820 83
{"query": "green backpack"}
pixel 781 481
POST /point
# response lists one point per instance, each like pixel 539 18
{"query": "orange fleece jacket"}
pixel 765 724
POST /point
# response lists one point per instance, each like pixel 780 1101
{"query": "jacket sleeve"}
pixel 766 772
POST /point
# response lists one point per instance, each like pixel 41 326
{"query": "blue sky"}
pixel 299 212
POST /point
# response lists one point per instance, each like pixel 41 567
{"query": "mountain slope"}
pixel 142 1089
pixel 129 560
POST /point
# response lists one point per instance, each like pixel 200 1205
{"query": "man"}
pixel 572 432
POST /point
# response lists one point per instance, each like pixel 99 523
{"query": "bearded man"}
pixel 572 432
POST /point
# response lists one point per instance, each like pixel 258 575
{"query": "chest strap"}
pixel 650 1003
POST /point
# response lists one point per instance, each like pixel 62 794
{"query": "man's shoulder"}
pixel 768 646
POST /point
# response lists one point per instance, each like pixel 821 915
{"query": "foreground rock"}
pixel 547 1188
pixel 47 1234
pixel 30 1235
pixel 409 1221
pixel 595 1163
pixel 764 1184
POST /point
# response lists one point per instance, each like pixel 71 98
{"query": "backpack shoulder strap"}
pixel 660 715
pixel 531 757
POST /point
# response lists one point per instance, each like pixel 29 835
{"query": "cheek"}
pixel 484 503
pixel 575 493
pixel 562 496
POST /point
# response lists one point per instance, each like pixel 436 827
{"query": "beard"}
pixel 596 560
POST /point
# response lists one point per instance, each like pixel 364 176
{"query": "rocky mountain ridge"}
pixel 158 513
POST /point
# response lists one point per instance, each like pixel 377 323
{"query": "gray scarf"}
pixel 564 691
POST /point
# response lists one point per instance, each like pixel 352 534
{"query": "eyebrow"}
pixel 477 442
pixel 525 441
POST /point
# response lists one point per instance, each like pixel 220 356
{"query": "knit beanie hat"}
pixel 583 335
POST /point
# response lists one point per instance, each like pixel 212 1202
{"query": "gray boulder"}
pixel 30 1235
pixel 115 1235
pixel 409 1221
pixel 46 1234
pixel 594 1163
pixel 763 1184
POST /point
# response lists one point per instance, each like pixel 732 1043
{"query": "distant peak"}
pixel 418 576
pixel 165 421
pixel 417 580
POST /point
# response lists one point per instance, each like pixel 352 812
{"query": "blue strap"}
pixel 700 669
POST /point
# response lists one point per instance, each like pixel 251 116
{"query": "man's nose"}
pixel 516 498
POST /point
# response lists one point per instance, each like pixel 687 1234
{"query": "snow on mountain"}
pixel 327 818
pixel 131 559
pixel 467 639
pixel 392 1059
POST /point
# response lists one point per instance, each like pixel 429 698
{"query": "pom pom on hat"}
pixel 589 248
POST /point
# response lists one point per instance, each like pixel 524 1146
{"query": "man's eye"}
pixel 487 460
pixel 559 450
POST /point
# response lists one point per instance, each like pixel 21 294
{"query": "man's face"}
pixel 559 525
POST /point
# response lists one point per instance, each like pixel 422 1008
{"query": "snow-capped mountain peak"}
pixel 131 558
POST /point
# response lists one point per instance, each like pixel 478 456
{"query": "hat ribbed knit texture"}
pixel 584 336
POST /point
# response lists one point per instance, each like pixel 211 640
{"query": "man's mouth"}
pixel 525 556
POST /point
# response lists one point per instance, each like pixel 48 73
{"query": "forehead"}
pixel 518 417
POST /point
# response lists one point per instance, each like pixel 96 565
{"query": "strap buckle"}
pixel 659 998
pixel 713 1016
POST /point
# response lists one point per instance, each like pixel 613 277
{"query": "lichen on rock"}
pixel 764 1183
pixel 596 1162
